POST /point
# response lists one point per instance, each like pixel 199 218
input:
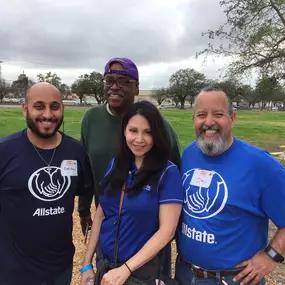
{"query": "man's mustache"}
pixel 47 120
pixel 120 93
pixel 204 128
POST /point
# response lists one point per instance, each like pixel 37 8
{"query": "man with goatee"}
pixel 41 171
pixel 231 190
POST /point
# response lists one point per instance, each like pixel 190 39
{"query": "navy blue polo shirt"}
pixel 36 206
pixel 139 215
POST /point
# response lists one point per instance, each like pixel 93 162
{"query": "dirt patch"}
pixel 276 278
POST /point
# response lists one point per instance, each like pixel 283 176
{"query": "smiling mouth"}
pixel 211 131
pixel 138 146
pixel 116 95
pixel 46 123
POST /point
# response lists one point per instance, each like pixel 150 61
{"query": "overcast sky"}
pixel 73 37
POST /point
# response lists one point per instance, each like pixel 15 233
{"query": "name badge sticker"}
pixel 69 168
pixel 202 178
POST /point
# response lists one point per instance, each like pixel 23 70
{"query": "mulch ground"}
pixel 277 278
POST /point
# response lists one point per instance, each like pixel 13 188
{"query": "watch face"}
pixel 271 252
pixel 274 254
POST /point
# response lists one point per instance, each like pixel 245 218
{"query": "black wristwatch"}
pixel 273 254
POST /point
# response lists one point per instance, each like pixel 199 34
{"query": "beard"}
pixel 209 145
pixel 32 125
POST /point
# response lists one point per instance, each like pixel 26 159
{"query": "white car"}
pixel 15 100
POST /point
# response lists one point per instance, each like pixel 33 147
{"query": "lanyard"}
pixel 116 248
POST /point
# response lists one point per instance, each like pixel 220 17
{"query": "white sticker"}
pixel 159 282
pixel 202 178
pixel 69 168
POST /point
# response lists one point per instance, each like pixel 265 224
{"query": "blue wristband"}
pixel 86 267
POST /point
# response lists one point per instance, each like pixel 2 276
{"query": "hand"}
pixel 85 222
pixel 87 276
pixel 255 268
pixel 117 276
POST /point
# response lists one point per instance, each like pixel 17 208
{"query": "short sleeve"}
pixel 110 167
pixel 170 186
pixel 273 192
pixel 85 185
pixel 83 130
pixel 174 143
pixel 3 152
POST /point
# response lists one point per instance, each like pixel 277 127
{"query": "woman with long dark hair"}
pixel 140 202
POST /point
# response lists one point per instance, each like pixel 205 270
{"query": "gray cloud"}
pixel 84 34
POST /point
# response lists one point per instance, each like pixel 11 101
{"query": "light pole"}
pixel 1 72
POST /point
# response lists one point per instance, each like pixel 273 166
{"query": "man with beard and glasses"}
pixel 101 124
pixel 41 172
pixel 231 190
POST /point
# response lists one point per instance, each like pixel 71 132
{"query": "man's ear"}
pixel 25 109
pixel 233 117
pixel 137 89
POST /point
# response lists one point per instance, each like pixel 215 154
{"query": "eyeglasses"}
pixel 121 82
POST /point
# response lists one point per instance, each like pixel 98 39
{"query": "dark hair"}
pixel 154 161
pixel 213 88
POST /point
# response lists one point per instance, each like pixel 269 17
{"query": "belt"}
pixel 204 273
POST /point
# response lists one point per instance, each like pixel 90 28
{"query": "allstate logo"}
pixel 206 193
pixel 47 183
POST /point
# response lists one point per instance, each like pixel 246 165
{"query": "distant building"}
pixel 145 95
pixel 22 76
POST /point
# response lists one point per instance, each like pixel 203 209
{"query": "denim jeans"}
pixel 185 276
pixel 63 279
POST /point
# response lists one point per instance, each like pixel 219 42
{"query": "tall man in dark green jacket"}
pixel 100 125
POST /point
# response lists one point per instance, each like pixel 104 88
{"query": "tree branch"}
pixel 258 12
pixel 278 12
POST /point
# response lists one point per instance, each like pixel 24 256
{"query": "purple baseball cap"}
pixel 130 69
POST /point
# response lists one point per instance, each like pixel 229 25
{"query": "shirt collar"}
pixel 108 109
pixel 133 169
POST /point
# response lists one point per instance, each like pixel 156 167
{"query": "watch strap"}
pixel 273 254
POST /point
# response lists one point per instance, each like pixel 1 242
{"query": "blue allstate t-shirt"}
pixel 36 206
pixel 139 215
pixel 227 202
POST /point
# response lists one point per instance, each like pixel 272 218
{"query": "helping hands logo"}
pixel 206 193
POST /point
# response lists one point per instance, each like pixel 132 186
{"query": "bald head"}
pixel 42 89
pixel 43 110
pixel 209 92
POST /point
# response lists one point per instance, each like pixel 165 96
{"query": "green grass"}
pixel 263 129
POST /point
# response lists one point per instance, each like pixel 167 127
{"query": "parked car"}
pixel 84 103
pixel 15 100
pixel 77 102
pixel 6 100
pixel 243 107
pixel 161 107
